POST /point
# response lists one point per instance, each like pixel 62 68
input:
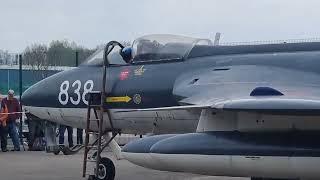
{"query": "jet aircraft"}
pixel 244 110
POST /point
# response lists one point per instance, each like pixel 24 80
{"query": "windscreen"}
pixel 96 59
pixel 163 47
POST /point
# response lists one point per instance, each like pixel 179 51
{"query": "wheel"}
pixel 106 170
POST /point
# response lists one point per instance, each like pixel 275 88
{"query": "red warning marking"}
pixel 124 74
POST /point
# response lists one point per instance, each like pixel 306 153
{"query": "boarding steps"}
pixel 97 101
pixel 100 143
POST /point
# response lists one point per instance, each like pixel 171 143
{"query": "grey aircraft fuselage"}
pixel 151 84
pixel 281 145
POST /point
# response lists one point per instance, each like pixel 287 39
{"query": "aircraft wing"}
pixel 267 105
pixel 261 99
pixel 270 105
pixel 185 107
pixel 252 88
pixel 228 92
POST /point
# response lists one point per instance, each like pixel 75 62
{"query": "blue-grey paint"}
pixel 169 83
pixel 295 143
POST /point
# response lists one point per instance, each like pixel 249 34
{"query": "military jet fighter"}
pixel 244 111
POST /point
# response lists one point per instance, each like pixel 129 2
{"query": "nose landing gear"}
pixel 106 170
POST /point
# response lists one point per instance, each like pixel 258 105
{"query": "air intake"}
pixel 265 91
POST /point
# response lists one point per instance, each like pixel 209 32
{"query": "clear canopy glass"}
pixel 164 47
pixel 152 48
pixel 95 59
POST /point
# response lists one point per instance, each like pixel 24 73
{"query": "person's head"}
pixel 126 54
pixel 10 94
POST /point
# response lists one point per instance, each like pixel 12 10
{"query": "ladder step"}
pixel 93 132
pixel 95 105
pixel 94 119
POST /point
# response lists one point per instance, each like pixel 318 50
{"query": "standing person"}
pixel 13 106
pixel 3 126
pixel 62 129
pixel 36 131
pixel 79 136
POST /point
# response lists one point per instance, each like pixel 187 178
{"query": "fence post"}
pixel 20 95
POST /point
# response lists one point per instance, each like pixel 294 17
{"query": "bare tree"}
pixel 1 57
pixel 6 57
pixel 36 57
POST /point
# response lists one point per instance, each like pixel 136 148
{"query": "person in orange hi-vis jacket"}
pixel 3 116
pixel 3 126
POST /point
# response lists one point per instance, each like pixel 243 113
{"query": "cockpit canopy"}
pixel 158 47
pixel 95 59
pixel 164 47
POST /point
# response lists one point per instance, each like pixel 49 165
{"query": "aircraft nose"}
pixel 64 89
pixel 39 94
pixel 25 98
pixel 30 96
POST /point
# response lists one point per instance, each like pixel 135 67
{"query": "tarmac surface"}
pixel 26 165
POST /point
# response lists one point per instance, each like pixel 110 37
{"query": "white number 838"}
pixel 76 85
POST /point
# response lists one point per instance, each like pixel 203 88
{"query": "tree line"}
pixel 57 53
pixel 7 58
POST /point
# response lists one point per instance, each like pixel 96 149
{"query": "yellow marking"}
pixel 119 99
pixel 139 71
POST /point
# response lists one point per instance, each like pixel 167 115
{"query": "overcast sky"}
pixel 89 23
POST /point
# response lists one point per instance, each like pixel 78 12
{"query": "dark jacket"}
pixel 13 107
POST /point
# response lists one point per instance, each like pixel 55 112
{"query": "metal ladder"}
pixel 97 101
pixel 100 143
pixel 94 103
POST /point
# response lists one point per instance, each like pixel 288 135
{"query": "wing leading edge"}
pixel 259 105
